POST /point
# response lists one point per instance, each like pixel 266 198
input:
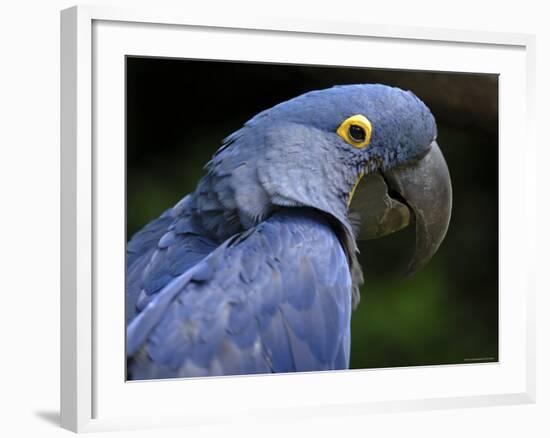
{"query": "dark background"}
pixel 178 112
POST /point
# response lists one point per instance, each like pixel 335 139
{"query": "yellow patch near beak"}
pixel 350 198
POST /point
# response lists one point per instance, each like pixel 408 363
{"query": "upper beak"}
pixel 419 192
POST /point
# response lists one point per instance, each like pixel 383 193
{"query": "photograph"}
pixel 302 218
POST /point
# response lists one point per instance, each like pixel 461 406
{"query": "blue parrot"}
pixel 256 271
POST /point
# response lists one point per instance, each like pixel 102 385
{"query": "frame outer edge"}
pixel 186 17
pixel 77 394
pixel 532 197
pixel 76 218
pixel 68 220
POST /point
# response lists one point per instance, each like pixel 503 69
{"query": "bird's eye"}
pixel 356 133
pixel 356 130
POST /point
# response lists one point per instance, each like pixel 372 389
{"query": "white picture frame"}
pixel 94 395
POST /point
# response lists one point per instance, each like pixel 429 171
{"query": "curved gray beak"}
pixel 419 192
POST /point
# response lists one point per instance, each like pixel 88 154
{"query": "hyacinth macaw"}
pixel 256 271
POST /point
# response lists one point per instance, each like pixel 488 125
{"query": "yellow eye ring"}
pixel 356 131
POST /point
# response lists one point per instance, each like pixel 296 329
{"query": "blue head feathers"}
pixel 292 154
pixel 403 126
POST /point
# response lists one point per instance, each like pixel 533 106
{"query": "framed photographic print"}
pixel 264 208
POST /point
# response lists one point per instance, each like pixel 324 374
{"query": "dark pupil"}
pixel 357 133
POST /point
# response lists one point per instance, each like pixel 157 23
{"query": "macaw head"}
pixel 371 144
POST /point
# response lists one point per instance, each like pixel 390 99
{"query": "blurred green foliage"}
pixel 178 112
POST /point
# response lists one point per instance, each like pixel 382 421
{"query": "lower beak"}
pixel 420 192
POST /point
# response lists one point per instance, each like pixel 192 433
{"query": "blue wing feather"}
pixel 261 302
pixel 166 248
